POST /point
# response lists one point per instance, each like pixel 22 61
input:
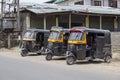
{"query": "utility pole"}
pixel 12 16
pixel 1 17
pixel 18 16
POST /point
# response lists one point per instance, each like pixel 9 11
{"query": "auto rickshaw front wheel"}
pixel 48 57
pixel 108 59
pixel 70 60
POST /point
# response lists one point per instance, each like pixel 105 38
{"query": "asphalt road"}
pixel 18 69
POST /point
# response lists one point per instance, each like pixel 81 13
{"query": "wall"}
pixel 115 39
pixel 88 2
pixel 118 4
pixel 23 20
pixel 106 3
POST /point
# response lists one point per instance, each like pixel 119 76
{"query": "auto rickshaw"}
pixel 57 42
pixel 34 40
pixel 85 43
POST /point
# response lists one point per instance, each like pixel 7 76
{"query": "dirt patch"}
pixel 116 56
pixel 15 49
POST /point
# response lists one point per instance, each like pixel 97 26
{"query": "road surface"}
pixel 22 69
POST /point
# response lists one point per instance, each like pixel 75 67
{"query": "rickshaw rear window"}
pixel 76 36
pixel 29 35
pixel 55 35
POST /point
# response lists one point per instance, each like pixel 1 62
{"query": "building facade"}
pixel 106 3
pixel 44 17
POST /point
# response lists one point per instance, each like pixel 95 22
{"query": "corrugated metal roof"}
pixel 95 9
pixel 43 9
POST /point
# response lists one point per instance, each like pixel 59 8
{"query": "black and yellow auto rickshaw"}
pixel 34 40
pixel 85 43
pixel 57 42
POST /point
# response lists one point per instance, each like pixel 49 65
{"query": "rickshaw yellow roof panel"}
pixel 76 42
pixel 53 40
pixel 28 39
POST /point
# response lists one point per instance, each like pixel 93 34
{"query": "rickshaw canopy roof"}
pixel 84 29
pixel 37 30
pixel 59 29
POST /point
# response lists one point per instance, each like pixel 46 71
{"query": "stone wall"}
pixel 115 40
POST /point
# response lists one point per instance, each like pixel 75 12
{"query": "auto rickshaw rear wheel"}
pixel 24 53
pixel 108 59
pixel 48 57
pixel 70 60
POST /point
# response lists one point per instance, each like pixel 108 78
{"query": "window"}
pixel 55 35
pixel 113 3
pixel 76 36
pixel 96 3
pixel 29 35
pixel 79 2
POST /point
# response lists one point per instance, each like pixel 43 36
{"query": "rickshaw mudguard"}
pixel 48 51
pixel 69 53
pixel 24 49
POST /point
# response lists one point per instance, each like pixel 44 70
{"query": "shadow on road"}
pixel 36 54
pixel 89 62
pixel 61 58
pixel 33 55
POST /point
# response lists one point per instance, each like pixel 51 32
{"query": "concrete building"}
pixel 106 3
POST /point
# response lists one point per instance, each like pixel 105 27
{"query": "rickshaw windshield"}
pixel 29 35
pixel 76 36
pixel 55 35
